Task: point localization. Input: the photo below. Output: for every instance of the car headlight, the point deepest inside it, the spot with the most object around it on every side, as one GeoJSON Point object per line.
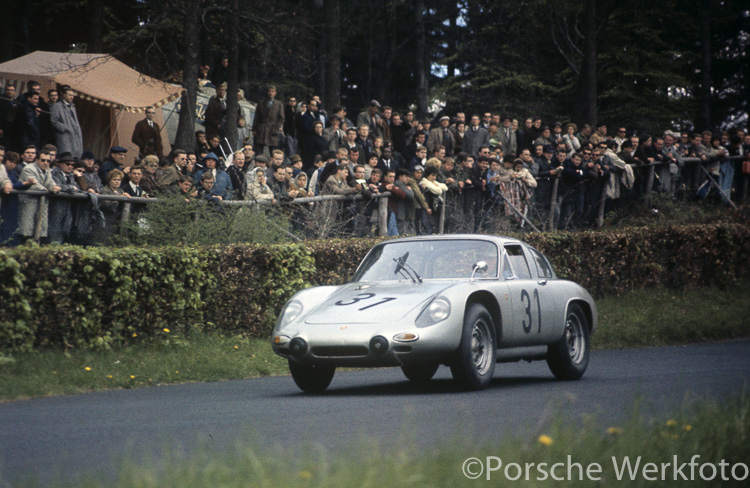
{"type": "Point", "coordinates": [438, 310]}
{"type": "Point", "coordinates": [291, 311]}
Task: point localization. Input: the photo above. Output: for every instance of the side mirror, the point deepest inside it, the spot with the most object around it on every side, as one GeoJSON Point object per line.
{"type": "Point", "coordinates": [480, 267]}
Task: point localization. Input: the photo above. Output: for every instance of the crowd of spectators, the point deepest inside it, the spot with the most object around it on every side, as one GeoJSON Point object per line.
{"type": "Point", "coordinates": [486, 168]}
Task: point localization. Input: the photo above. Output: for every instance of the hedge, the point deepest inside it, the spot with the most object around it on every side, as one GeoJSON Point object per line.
{"type": "Point", "coordinates": [73, 297]}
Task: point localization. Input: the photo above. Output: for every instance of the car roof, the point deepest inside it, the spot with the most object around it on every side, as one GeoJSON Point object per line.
{"type": "Point", "coordinates": [499, 240]}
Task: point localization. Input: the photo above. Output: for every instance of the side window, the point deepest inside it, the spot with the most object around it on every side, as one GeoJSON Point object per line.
{"type": "Point", "coordinates": [518, 263]}
{"type": "Point", "coordinates": [507, 272]}
{"type": "Point", "coordinates": [543, 267]}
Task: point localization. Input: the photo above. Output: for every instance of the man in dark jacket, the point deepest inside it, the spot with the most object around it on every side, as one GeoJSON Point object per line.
{"type": "Point", "coordinates": [268, 122]}
{"type": "Point", "coordinates": [28, 125]}
{"type": "Point", "coordinates": [147, 136]}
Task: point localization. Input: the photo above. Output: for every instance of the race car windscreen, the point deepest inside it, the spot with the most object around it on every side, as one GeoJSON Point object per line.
{"type": "Point", "coordinates": [439, 259]}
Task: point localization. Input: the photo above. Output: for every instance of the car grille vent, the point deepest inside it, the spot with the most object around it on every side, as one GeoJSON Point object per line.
{"type": "Point", "coordinates": [339, 351]}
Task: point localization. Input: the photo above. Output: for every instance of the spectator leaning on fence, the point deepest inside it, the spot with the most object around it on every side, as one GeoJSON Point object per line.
{"type": "Point", "coordinates": [32, 211]}
{"type": "Point", "coordinates": [10, 181]}
{"type": "Point", "coordinates": [175, 171]}
{"type": "Point", "coordinates": [258, 189]}
{"type": "Point", "coordinates": [222, 185]}
{"type": "Point", "coordinates": [62, 211]}
{"type": "Point", "coordinates": [115, 160]}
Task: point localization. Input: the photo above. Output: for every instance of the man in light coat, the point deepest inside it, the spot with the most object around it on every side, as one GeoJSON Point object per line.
{"type": "Point", "coordinates": [30, 207]}
{"type": "Point", "coordinates": [442, 136]}
{"type": "Point", "coordinates": [64, 121]}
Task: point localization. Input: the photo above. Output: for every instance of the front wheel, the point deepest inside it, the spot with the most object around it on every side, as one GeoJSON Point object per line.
{"type": "Point", "coordinates": [474, 363]}
{"type": "Point", "coordinates": [568, 358]}
{"type": "Point", "coordinates": [311, 378]}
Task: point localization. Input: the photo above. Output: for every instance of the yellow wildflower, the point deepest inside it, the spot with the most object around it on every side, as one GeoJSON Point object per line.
{"type": "Point", "coordinates": [614, 431]}
{"type": "Point", "coordinates": [671, 422]}
{"type": "Point", "coordinates": [305, 475]}
{"type": "Point", "coordinates": [688, 428]}
{"type": "Point", "coordinates": [132, 377]}
{"type": "Point", "coordinates": [546, 440]}
{"type": "Point", "coordinates": [87, 368]}
{"type": "Point", "coordinates": [135, 334]}
{"type": "Point", "coordinates": [166, 330]}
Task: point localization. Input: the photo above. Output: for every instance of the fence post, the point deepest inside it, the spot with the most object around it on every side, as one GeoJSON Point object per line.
{"type": "Point", "coordinates": [553, 205]}
{"type": "Point", "coordinates": [650, 179]}
{"type": "Point", "coordinates": [441, 224]}
{"type": "Point", "coordinates": [602, 202]}
{"type": "Point", "coordinates": [383, 215]}
{"type": "Point", "coordinates": [124, 218]}
{"type": "Point", "coordinates": [41, 215]}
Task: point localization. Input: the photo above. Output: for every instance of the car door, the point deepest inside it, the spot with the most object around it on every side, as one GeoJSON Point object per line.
{"type": "Point", "coordinates": [550, 298]}
{"type": "Point", "coordinates": [531, 317]}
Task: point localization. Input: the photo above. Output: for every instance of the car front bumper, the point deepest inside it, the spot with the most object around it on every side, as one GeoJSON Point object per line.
{"type": "Point", "coordinates": [367, 345]}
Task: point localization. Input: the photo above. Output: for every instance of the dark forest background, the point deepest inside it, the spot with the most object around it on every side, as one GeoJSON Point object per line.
{"type": "Point", "coordinates": [643, 64]}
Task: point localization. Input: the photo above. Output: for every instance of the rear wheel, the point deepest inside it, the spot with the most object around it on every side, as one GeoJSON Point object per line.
{"type": "Point", "coordinates": [420, 373]}
{"type": "Point", "coordinates": [311, 378]}
{"type": "Point", "coordinates": [474, 363]}
{"type": "Point", "coordinates": [568, 358]}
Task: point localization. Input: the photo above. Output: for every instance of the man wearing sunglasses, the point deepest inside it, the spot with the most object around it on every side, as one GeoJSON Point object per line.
{"type": "Point", "coordinates": [28, 205]}
{"type": "Point", "coordinates": [61, 210]}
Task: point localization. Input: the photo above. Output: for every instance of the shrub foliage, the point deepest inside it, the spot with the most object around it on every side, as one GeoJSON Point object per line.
{"type": "Point", "coordinates": [74, 297]}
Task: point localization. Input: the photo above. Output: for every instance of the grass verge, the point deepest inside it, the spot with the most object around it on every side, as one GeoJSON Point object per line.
{"type": "Point", "coordinates": [640, 318]}
{"type": "Point", "coordinates": [176, 360]}
{"type": "Point", "coordinates": [640, 452]}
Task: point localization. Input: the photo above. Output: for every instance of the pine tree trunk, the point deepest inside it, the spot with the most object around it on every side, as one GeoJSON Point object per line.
{"type": "Point", "coordinates": [422, 68]}
{"type": "Point", "coordinates": [96, 11]}
{"type": "Point", "coordinates": [586, 92]}
{"type": "Point", "coordinates": [333, 60]}
{"type": "Point", "coordinates": [704, 120]}
{"type": "Point", "coordinates": [233, 75]}
{"type": "Point", "coordinates": [185, 138]}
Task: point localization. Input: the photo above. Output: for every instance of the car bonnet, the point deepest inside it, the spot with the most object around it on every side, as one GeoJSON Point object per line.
{"type": "Point", "coordinates": [366, 303]}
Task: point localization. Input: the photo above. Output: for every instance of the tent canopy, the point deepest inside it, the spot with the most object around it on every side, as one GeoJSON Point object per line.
{"type": "Point", "coordinates": [99, 78]}
{"type": "Point", "coordinates": [110, 96]}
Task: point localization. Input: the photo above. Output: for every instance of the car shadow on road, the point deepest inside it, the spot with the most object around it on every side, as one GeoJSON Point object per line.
{"type": "Point", "coordinates": [437, 386]}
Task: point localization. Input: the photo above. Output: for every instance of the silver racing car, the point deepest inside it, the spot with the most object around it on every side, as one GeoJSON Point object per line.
{"type": "Point", "coordinates": [465, 301]}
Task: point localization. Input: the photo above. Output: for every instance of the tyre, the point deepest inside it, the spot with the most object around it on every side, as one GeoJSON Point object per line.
{"type": "Point", "coordinates": [568, 358]}
{"type": "Point", "coordinates": [420, 373]}
{"type": "Point", "coordinates": [311, 378]}
{"type": "Point", "coordinates": [474, 363]}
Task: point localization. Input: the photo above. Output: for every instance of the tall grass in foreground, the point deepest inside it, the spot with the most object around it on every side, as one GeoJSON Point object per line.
{"type": "Point", "coordinates": [640, 318]}
{"type": "Point", "coordinates": [607, 456]}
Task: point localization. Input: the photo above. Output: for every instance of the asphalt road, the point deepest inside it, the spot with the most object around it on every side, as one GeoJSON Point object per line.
{"type": "Point", "coordinates": [54, 439]}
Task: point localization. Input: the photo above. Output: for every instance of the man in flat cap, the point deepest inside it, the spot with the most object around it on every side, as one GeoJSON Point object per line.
{"type": "Point", "coordinates": [115, 160]}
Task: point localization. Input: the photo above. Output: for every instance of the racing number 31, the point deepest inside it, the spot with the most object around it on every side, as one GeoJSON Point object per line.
{"type": "Point", "coordinates": [364, 296]}
{"type": "Point", "coordinates": [525, 298]}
